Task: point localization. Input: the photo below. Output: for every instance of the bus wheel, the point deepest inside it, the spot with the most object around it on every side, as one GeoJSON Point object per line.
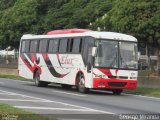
{"type": "Point", "coordinates": [81, 84]}
{"type": "Point", "coordinates": [37, 81]}
{"type": "Point", "coordinates": [117, 91]}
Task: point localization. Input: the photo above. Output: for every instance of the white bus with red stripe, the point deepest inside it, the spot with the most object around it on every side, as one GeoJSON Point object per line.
{"type": "Point", "coordinates": [82, 58]}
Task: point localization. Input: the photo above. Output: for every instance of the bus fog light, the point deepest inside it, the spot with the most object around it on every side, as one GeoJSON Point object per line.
{"type": "Point", "coordinates": [100, 76]}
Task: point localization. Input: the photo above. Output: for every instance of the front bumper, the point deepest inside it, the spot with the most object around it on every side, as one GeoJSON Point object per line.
{"type": "Point", "coordinates": [101, 83]}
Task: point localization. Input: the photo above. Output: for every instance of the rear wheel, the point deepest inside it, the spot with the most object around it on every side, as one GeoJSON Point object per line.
{"type": "Point", "coordinates": [117, 91]}
{"type": "Point", "coordinates": [81, 84]}
{"type": "Point", "coordinates": [37, 81]}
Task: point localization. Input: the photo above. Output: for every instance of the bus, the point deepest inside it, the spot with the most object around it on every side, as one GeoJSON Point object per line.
{"type": "Point", "coordinates": [82, 58]}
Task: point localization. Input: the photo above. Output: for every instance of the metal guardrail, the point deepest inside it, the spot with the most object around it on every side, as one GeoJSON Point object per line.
{"type": "Point", "coordinates": [8, 61]}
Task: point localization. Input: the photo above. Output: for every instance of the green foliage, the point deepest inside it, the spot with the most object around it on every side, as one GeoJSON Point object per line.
{"type": "Point", "coordinates": [136, 17]}
{"type": "Point", "coordinates": [15, 77]}
{"type": "Point", "coordinates": [16, 21]}
{"type": "Point", "coordinates": [154, 92]}
{"type": "Point", "coordinates": [4, 4]}
{"type": "Point", "coordinates": [10, 112]}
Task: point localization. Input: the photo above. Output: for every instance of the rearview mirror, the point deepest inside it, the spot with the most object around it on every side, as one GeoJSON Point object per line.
{"type": "Point", "coordinates": [94, 50]}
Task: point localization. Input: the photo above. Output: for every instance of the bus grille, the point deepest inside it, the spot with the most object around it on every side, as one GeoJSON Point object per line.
{"type": "Point", "coordinates": [117, 84]}
{"type": "Point", "coordinates": [120, 77]}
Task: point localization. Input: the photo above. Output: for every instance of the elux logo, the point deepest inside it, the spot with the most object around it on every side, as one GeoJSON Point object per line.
{"type": "Point", "coordinates": [66, 60]}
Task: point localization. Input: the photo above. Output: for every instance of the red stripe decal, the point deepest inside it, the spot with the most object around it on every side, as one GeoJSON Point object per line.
{"type": "Point", "coordinates": [105, 71]}
{"type": "Point", "coordinates": [45, 56]}
{"type": "Point", "coordinates": [51, 68]}
{"type": "Point", "coordinates": [31, 68]}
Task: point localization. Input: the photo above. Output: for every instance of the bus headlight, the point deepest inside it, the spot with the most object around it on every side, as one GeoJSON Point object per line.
{"type": "Point", "coordinates": [100, 76]}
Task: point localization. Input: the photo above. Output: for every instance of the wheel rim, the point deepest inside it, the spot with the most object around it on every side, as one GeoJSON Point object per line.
{"type": "Point", "coordinates": [81, 82]}
{"type": "Point", "coordinates": [36, 79]}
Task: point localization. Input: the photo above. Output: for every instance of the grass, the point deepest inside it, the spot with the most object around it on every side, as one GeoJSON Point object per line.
{"type": "Point", "coordinates": [10, 113]}
{"type": "Point", "coordinates": [154, 92]}
{"type": "Point", "coordinates": [15, 77]}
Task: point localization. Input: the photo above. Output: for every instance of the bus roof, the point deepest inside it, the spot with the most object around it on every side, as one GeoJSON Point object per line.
{"type": "Point", "coordinates": [68, 31]}
{"type": "Point", "coordinates": [95, 34]}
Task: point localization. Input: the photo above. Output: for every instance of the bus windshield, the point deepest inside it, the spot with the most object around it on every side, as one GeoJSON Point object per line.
{"type": "Point", "coordinates": [114, 54]}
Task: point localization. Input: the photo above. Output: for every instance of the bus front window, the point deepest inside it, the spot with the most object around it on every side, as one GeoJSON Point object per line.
{"type": "Point", "coordinates": [128, 55]}
{"type": "Point", "coordinates": [107, 54]}
{"type": "Point", "coordinates": [114, 54]}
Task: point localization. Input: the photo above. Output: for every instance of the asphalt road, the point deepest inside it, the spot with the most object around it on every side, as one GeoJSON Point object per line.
{"type": "Point", "coordinates": [70, 104]}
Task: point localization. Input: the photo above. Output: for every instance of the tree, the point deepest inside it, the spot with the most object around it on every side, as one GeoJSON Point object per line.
{"type": "Point", "coordinates": [138, 18]}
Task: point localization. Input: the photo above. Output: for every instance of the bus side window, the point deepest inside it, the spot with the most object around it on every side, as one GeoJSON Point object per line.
{"type": "Point", "coordinates": [33, 45]}
{"type": "Point", "coordinates": [53, 46]}
{"type": "Point", "coordinates": [25, 46]}
{"type": "Point", "coordinates": [77, 45]}
{"type": "Point", "coordinates": [43, 45]}
{"type": "Point", "coordinates": [70, 45]}
{"type": "Point", "coordinates": [63, 45]}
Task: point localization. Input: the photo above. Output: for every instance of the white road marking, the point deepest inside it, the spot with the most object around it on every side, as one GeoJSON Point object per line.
{"type": "Point", "coordinates": [68, 93]}
{"type": "Point", "coordinates": [101, 111]}
{"type": "Point", "coordinates": [50, 108]}
{"type": "Point", "coordinates": [23, 95]}
{"type": "Point", "coordinates": [22, 100]}
{"type": "Point", "coordinates": [6, 94]}
{"type": "Point", "coordinates": [142, 96]}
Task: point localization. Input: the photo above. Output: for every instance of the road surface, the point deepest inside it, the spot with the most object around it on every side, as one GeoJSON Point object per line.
{"type": "Point", "coordinates": [67, 104]}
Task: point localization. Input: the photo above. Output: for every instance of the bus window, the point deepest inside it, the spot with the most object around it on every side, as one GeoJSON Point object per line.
{"type": "Point", "coordinates": [63, 45]}
{"type": "Point", "coordinates": [53, 46]}
{"type": "Point", "coordinates": [77, 45]}
{"type": "Point", "coordinates": [25, 46]}
{"type": "Point", "coordinates": [70, 45]}
{"type": "Point", "coordinates": [33, 45]}
{"type": "Point", "coordinates": [43, 45]}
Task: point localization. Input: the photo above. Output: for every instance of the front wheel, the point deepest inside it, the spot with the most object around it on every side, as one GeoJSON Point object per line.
{"type": "Point", "coordinates": [117, 91]}
{"type": "Point", "coordinates": [37, 81]}
{"type": "Point", "coordinates": [81, 84]}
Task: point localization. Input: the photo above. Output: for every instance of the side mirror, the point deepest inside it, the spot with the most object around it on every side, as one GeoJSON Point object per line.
{"type": "Point", "coordinates": [94, 50]}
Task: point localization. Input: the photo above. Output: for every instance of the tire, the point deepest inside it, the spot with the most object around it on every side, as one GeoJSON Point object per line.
{"type": "Point", "coordinates": [37, 81]}
{"type": "Point", "coordinates": [81, 84]}
{"type": "Point", "coordinates": [117, 91]}
{"type": "Point", "coordinates": [66, 86]}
